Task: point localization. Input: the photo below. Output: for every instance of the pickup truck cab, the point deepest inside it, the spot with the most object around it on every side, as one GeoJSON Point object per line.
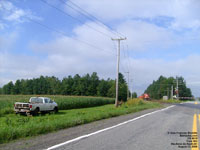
{"type": "Point", "coordinates": [36, 105]}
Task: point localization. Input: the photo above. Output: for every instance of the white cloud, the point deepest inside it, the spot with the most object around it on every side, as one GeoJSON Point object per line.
{"type": "Point", "coordinates": [126, 8]}
{"type": "Point", "coordinates": [14, 14]}
{"type": "Point", "coordinates": [13, 67]}
{"type": "Point", "coordinates": [142, 35]}
{"type": "Point", "coordinates": [185, 12]}
{"type": "Point", "coordinates": [10, 12]}
{"type": "Point", "coordinates": [69, 56]}
{"type": "Point", "coordinates": [5, 5]}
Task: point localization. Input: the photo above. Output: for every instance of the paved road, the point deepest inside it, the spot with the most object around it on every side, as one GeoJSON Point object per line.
{"type": "Point", "coordinates": [170, 129]}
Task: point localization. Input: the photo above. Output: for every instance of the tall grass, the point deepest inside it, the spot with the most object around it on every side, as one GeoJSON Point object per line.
{"type": "Point", "coordinates": [135, 101]}
{"type": "Point", "coordinates": [7, 103]}
{"type": "Point", "coordinates": [81, 102]}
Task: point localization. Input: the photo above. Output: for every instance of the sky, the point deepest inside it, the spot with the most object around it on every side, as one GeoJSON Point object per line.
{"type": "Point", "coordinates": [54, 38]}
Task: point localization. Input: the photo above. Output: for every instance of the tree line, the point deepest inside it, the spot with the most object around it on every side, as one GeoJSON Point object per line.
{"type": "Point", "coordinates": [86, 85]}
{"type": "Point", "coordinates": [163, 85]}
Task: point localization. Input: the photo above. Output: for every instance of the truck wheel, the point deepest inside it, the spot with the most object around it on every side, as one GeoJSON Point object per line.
{"type": "Point", "coordinates": [55, 110]}
{"type": "Point", "coordinates": [36, 111]}
{"type": "Point", "coordinates": [43, 112]}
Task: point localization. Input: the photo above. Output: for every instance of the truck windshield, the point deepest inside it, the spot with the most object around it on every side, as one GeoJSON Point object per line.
{"type": "Point", "coordinates": [33, 100]}
{"type": "Point", "coordinates": [36, 100]}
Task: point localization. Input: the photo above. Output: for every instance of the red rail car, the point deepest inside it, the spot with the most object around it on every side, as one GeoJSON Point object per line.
{"type": "Point", "coordinates": [145, 96]}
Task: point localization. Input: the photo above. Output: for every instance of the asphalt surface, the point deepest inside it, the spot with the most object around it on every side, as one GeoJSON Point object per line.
{"type": "Point", "coordinates": [169, 129]}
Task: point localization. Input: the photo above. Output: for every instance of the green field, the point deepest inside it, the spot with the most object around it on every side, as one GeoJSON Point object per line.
{"type": "Point", "coordinates": [16, 126]}
{"type": "Point", "coordinates": [64, 102]}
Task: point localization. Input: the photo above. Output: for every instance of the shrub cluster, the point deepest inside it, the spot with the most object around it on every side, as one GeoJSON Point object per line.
{"type": "Point", "coordinates": [135, 101]}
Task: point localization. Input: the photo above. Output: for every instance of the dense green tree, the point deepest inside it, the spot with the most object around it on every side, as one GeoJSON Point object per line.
{"type": "Point", "coordinates": [84, 84]}
{"type": "Point", "coordinates": [67, 86]}
{"type": "Point", "coordinates": [103, 87]}
{"type": "Point", "coordinates": [122, 88]}
{"type": "Point", "coordinates": [183, 90]}
{"type": "Point", "coordinates": [76, 85]}
{"type": "Point", "coordinates": [112, 88]}
{"type": "Point", "coordinates": [121, 79]}
{"type": "Point", "coordinates": [122, 92]}
{"type": "Point", "coordinates": [18, 87]}
{"type": "Point", "coordinates": [87, 85]}
{"type": "Point", "coordinates": [162, 87]}
{"type": "Point", "coordinates": [8, 88]}
{"type": "Point", "coordinates": [29, 87]}
{"type": "Point", "coordinates": [134, 95]}
{"type": "Point", "coordinates": [94, 82]}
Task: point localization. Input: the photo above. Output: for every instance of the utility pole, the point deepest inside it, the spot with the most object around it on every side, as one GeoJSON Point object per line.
{"type": "Point", "coordinates": [117, 76]}
{"type": "Point", "coordinates": [128, 87]}
{"type": "Point", "coordinates": [172, 91]}
{"type": "Point", "coordinates": [131, 95]}
{"type": "Point", "coordinates": [177, 92]}
{"type": "Point", "coordinates": [131, 89]}
{"type": "Point", "coordinates": [167, 93]}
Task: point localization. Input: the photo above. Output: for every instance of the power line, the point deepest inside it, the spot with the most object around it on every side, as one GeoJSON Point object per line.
{"type": "Point", "coordinates": [125, 57]}
{"type": "Point", "coordinates": [127, 63]}
{"type": "Point", "coordinates": [128, 87]}
{"type": "Point", "coordinates": [62, 33]}
{"type": "Point", "coordinates": [74, 18]}
{"type": "Point", "coordinates": [92, 17]}
{"type": "Point", "coordinates": [121, 64]}
{"type": "Point", "coordinates": [128, 55]}
{"type": "Point", "coordinates": [123, 70]}
{"type": "Point", "coordinates": [81, 11]}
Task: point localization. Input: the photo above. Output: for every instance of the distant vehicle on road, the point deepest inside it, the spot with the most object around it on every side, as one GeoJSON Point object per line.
{"type": "Point", "coordinates": [36, 105]}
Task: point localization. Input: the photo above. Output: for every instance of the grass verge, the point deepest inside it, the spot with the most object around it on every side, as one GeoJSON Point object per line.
{"type": "Point", "coordinates": [15, 126]}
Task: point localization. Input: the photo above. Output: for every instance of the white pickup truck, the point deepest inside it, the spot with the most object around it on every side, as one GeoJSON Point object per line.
{"type": "Point", "coordinates": [36, 105]}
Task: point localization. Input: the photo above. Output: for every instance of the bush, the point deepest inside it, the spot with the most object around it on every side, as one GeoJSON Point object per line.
{"type": "Point", "coordinates": [135, 101]}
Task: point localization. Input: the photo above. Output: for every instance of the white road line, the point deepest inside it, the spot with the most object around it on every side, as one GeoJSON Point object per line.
{"type": "Point", "coordinates": [187, 102]}
{"type": "Point", "coordinates": [109, 128]}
